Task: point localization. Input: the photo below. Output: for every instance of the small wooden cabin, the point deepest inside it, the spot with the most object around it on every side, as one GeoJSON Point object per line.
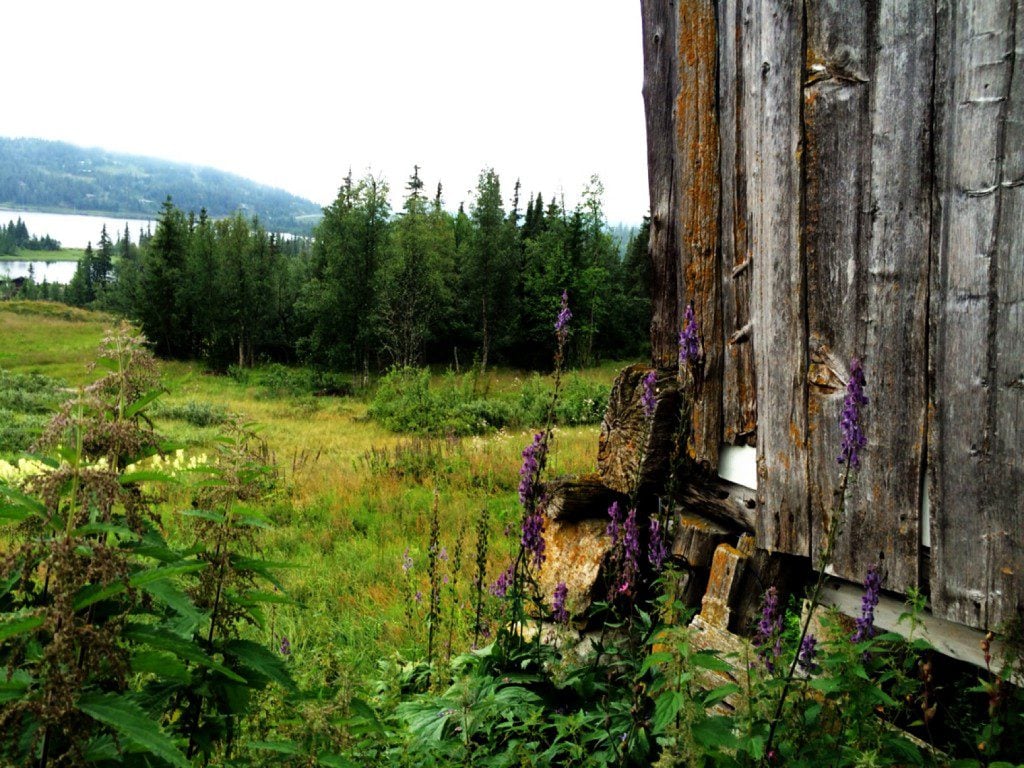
{"type": "Point", "coordinates": [839, 179]}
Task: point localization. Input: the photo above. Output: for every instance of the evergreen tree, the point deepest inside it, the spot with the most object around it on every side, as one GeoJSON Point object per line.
{"type": "Point", "coordinates": [103, 263]}
{"type": "Point", "coordinates": [81, 291]}
{"type": "Point", "coordinates": [157, 308]}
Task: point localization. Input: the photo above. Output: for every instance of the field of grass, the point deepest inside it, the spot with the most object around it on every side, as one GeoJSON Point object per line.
{"type": "Point", "coordinates": [354, 499]}
{"type": "Point", "coordinates": [64, 254]}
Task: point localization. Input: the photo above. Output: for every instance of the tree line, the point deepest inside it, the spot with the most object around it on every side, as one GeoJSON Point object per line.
{"type": "Point", "coordinates": [376, 287]}
{"type": "Point", "coordinates": [15, 236]}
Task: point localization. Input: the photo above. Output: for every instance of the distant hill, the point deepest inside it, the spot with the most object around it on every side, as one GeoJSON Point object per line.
{"type": "Point", "coordinates": [52, 175]}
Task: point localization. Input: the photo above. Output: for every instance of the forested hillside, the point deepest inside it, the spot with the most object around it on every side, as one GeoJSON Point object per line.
{"type": "Point", "coordinates": [57, 176]}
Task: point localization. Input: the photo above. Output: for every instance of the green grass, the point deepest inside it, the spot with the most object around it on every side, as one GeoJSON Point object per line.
{"type": "Point", "coordinates": [64, 254]}
{"type": "Point", "coordinates": [349, 508]}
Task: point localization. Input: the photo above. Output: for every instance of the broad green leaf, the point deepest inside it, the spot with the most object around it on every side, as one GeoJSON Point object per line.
{"type": "Point", "coordinates": [15, 688]}
{"type": "Point", "coordinates": [708, 660]}
{"type": "Point", "coordinates": [165, 641]}
{"type": "Point", "coordinates": [666, 707]}
{"type": "Point", "coordinates": [826, 684]}
{"type": "Point", "coordinates": [161, 663]}
{"type": "Point", "coordinates": [94, 593]}
{"type": "Point", "coordinates": [656, 659]}
{"type": "Point", "coordinates": [173, 597]}
{"type": "Point", "coordinates": [20, 624]}
{"type": "Point", "coordinates": [149, 575]}
{"type": "Point", "coordinates": [260, 660]}
{"type": "Point", "coordinates": [714, 732]}
{"type": "Point", "coordinates": [145, 476]}
{"type": "Point", "coordinates": [203, 514]}
{"type": "Point", "coordinates": [130, 721]}
{"type": "Point", "coordinates": [720, 693]}
{"type": "Point", "coordinates": [142, 402]}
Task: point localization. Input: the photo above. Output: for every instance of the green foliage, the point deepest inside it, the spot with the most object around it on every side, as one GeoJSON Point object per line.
{"type": "Point", "coordinates": [26, 400]}
{"type": "Point", "coordinates": [406, 402]}
{"type": "Point", "coordinates": [198, 414]}
{"type": "Point", "coordinates": [120, 648]}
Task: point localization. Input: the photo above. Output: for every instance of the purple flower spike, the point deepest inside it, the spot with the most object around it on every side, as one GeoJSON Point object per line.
{"type": "Point", "coordinates": [767, 639]}
{"type": "Point", "coordinates": [533, 536]}
{"type": "Point", "coordinates": [286, 646]}
{"type": "Point", "coordinates": [559, 612]}
{"type": "Point", "coordinates": [630, 551]}
{"type": "Point", "coordinates": [849, 421]}
{"type": "Point", "coordinates": [656, 550]}
{"type": "Point", "coordinates": [500, 587]}
{"type": "Point", "coordinates": [866, 623]}
{"type": "Point", "coordinates": [808, 650]}
{"type": "Point", "coordinates": [532, 456]}
{"type": "Point", "coordinates": [614, 523]}
{"type": "Point", "coordinates": [648, 398]}
{"type": "Point", "coordinates": [406, 561]}
{"type": "Point", "coordinates": [564, 316]}
{"type": "Point", "coordinates": [689, 339]}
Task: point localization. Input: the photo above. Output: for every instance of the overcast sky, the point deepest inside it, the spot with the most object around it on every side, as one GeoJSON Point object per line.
{"type": "Point", "coordinates": [294, 93]}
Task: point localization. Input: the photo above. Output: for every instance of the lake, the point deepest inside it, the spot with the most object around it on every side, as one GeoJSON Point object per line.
{"type": "Point", "coordinates": [75, 230]}
{"type": "Point", "coordinates": [51, 271]}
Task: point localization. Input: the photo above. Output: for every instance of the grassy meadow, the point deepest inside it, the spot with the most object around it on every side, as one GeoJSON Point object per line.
{"type": "Point", "coordinates": [354, 497]}
{"type": "Point", "coordinates": [64, 254]}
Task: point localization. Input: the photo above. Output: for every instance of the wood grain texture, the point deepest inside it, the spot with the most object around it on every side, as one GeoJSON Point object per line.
{"type": "Point", "coordinates": [661, 85]}
{"type": "Point", "coordinates": [739, 388]}
{"type": "Point", "coordinates": [975, 475]}
{"type": "Point", "coordinates": [773, 64]}
{"type": "Point", "coordinates": [867, 106]}
{"type": "Point", "coordinates": [836, 224]}
{"type": "Point", "coordinates": [699, 274]}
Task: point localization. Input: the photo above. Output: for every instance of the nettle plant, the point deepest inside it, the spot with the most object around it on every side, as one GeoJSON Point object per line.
{"type": "Point", "coordinates": [120, 648]}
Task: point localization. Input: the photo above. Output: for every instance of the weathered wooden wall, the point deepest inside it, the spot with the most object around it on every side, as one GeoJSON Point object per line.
{"type": "Point", "coordinates": [840, 178]}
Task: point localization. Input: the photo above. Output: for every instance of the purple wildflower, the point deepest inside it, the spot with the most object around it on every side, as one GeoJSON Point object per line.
{"type": "Point", "coordinates": [533, 537]}
{"type": "Point", "coordinates": [564, 316]}
{"type": "Point", "coordinates": [689, 339]}
{"type": "Point", "coordinates": [500, 587]}
{"type": "Point", "coordinates": [443, 554]}
{"type": "Point", "coordinates": [630, 551]}
{"type": "Point", "coordinates": [767, 639]}
{"type": "Point", "coordinates": [849, 420]}
{"type": "Point", "coordinates": [808, 650]}
{"type": "Point", "coordinates": [614, 523]}
{"type": "Point", "coordinates": [866, 623]}
{"type": "Point", "coordinates": [406, 561]}
{"type": "Point", "coordinates": [656, 550]}
{"type": "Point", "coordinates": [533, 454]}
{"type": "Point", "coordinates": [559, 611]}
{"type": "Point", "coordinates": [286, 646]}
{"type": "Point", "coordinates": [418, 597]}
{"type": "Point", "coordinates": [648, 398]}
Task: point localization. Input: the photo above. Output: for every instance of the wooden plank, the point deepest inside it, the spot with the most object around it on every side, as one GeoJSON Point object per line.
{"type": "Point", "coordinates": [837, 162]}
{"type": "Point", "coordinates": [973, 79]}
{"type": "Point", "coordinates": [698, 199]}
{"type": "Point", "coordinates": [773, 63]}
{"type": "Point", "coordinates": [873, 300]}
{"type": "Point", "coordinates": [1007, 480]}
{"type": "Point", "coordinates": [661, 75]}
{"type": "Point", "coordinates": [951, 639]}
{"type": "Point", "coordinates": [739, 395]}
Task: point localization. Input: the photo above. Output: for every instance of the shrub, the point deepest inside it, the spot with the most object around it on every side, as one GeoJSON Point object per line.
{"type": "Point", "coordinates": [198, 414]}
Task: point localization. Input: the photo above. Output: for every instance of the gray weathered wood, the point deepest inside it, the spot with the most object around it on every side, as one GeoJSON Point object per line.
{"type": "Point", "coordinates": [699, 276]}
{"type": "Point", "coordinates": [661, 84]}
{"type": "Point", "coordinates": [634, 450]}
{"type": "Point", "coordinates": [696, 538]}
{"type": "Point", "coordinates": [729, 503]}
{"type": "Point", "coordinates": [837, 228]}
{"type": "Point", "coordinates": [773, 67]}
{"type": "Point", "coordinates": [578, 498]}
{"type": "Point", "coordinates": [976, 496]}
{"type": "Point", "coordinates": [1007, 486]}
{"type": "Point", "coordinates": [739, 398]}
{"type": "Point", "coordinates": [867, 219]}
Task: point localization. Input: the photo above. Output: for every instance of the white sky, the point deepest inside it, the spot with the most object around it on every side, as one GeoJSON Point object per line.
{"type": "Point", "coordinates": [293, 93]}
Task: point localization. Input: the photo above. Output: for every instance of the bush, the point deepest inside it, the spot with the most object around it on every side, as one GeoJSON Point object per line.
{"type": "Point", "coordinates": [198, 414]}
{"type": "Point", "coordinates": [406, 403]}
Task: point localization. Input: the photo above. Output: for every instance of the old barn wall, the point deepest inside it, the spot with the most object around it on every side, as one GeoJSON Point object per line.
{"type": "Point", "coordinates": [840, 179]}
